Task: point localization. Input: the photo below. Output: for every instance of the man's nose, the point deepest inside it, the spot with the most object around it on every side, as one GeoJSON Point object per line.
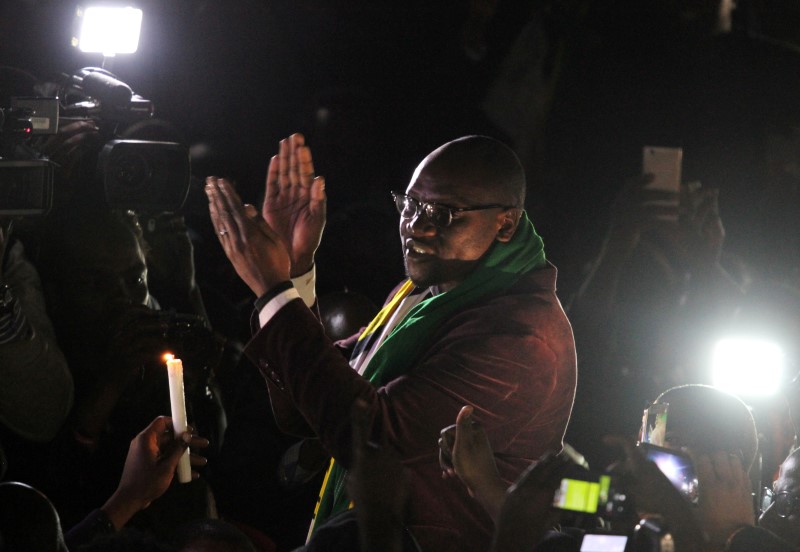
{"type": "Point", "coordinates": [420, 225]}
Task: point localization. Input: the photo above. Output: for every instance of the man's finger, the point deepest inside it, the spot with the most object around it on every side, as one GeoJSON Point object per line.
{"type": "Point", "coordinates": [294, 161]}
{"type": "Point", "coordinates": [216, 208]}
{"type": "Point", "coordinates": [172, 451]}
{"type": "Point", "coordinates": [272, 188]}
{"type": "Point", "coordinates": [261, 225]}
{"type": "Point", "coordinates": [283, 164]}
{"type": "Point", "coordinates": [162, 425]}
{"type": "Point", "coordinates": [317, 205]}
{"type": "Point", "coordinates": [197, 460]}
{"type": "Point", "coordinates": [464, 417]}
{"type": "Point", "coordinates": [233, 215]}
{"type": "Point", "coordinates": [305, 166]}
{"type": "Point", "coordinates": [704, 468]}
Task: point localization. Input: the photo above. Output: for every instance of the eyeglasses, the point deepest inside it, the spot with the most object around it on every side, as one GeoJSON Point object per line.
{"type": "Point", "coordinates": [439, 214]}
{"type": "Point", "coordinates": [784, 502]}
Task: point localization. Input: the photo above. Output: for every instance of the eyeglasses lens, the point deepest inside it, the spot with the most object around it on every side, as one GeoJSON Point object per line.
{"type": "Point", "coordinates": [408, 207]}
{"type": "Point", "coordinates": [405, 206]}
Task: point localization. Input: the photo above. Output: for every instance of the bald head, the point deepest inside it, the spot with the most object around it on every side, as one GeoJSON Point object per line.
{"type": "Point", "coordinates": [480, 162]}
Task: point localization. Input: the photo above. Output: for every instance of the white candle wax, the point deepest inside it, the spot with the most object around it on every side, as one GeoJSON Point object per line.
{"type": "Point", "coordinates": [177, 400]}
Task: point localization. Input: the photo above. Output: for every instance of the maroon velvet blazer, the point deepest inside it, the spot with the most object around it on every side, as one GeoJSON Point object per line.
{"type": "Point", "coordinates": [510, 355]}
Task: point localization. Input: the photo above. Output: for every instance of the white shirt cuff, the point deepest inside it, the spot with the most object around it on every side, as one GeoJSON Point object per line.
{"type": "Point", "coordinates": [275, 304]}
{"type": "Point", "coordinates": [304, 288]}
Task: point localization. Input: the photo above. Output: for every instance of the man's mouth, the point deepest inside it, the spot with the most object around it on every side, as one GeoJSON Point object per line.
{"type": "Point", "coordinates": [416, 249]}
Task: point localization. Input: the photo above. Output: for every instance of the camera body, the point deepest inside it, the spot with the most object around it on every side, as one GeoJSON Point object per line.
{"type": "Point", "coordinates": [589, 492]}
{"type": "Point", "coordinates": [601, 494]}
{"type": "Point", "coordinates": [26, 180]}
{"type": "Point", "coordinates": [188, 335]}
{"type": "Point", "coordinates": [141, 175]}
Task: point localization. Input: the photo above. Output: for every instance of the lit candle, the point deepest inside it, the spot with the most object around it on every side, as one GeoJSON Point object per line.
{"type": "Point", "coordinates": [178, 402]}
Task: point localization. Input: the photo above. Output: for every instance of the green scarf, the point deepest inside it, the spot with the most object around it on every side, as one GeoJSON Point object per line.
{"type": "Point", "coordinates": [500, 268]}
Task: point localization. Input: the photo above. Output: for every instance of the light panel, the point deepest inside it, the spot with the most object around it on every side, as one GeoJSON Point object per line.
{"type": "Point", "coordinates": [109, 30]}
{"type": "Point", "coordinates": [747, 367]}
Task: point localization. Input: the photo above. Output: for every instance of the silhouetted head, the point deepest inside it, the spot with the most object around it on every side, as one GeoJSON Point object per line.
{"type": "Point", "coordinates": [709, 420]}
{"type": "Point", "coordinates": [92, 263]}
{"type": "Point", "coordinates": [28, 521]}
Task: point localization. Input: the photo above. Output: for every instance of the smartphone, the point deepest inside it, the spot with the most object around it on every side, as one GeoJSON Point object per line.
{"type": "Point", "coordinates": [597, 542]}
{"type": "Point", "coordinates": [677, 466]}
{"type": "Point", "coordinates": [589, 492]}
{"type": "Point", "coordinates": [665, 166]}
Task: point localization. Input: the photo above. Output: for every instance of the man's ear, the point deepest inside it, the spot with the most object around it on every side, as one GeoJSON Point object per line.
{"type": "Point", "coordinates": [508, 225]}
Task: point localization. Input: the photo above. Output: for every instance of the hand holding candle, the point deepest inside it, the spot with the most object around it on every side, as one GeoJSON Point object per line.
{"type": "Point", "coordinates": [177, 400]}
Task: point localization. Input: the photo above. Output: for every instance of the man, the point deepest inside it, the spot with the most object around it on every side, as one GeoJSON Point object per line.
{"type": "Point", "coordinates": [95, 279]}
{"type": "Point", "coordinates": [477, 323]}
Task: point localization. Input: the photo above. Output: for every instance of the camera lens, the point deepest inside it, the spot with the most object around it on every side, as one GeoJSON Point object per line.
{"type": "Point", "coordinates": [131, 170]}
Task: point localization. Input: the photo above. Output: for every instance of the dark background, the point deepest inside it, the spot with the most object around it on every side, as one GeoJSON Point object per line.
{"type": "Point", "coordinates": [373, 85]}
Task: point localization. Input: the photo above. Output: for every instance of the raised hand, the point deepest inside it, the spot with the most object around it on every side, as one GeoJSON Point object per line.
{"type": "Point", "coordinates": [638, 210]}
{"type": "Point", "coordinates": [464, 450]}
{"type": "Point", "coordinates": [703, 234]}
{"type": "Point", "coordinates": [294, 202]}
{"type": "Point", "coordinates": [726, 502]}
{"type": "Point", "coordinates": [149, 468]}
{"type": "Point", "coordinates": [378, 485]}
{"type": "Point", "coordinates": [653, 493]}
{"type": "Point", "coordinates": [257, 252]}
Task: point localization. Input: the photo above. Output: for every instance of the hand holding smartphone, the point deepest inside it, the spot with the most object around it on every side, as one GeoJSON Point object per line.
{"type": "Point", "coordinates": [677, 466]}
{"type": "Point", "coordinates": [664, 164]}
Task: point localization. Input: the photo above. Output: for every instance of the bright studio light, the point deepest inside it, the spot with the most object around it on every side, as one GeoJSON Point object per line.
{"type": "Point", "coordinates": [109, 30]}
{"type": "Point", "coordinates": [747, 366]}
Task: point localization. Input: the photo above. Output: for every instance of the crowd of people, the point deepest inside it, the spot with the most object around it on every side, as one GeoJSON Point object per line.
{"type": "Point", "coordinates": [456, 415]}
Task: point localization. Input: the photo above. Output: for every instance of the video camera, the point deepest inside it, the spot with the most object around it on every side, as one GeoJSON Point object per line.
{"type": "Point", "coordinates": [602, 494]}
{"type": "Point", "coordinates": [141, 175]}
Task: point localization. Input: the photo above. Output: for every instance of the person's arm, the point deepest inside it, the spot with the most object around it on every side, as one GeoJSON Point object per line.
{"type": "Point", "coordinates": [37, 391]}
{"type": "Point", "coordinates": [464, 451]}
{"type": "Point", "coordinates": [379, 487]}
{"type": "Point", "coordinates": [149, 469]}
{"type": "Point", "coordinates": [294, 211]}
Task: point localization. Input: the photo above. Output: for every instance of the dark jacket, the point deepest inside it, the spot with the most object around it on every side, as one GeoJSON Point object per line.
{"type": "Point", "coordinates": [510, 355]}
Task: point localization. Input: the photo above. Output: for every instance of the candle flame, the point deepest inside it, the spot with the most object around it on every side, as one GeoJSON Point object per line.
{"type": "Point", "coordinates": [168, 357]}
